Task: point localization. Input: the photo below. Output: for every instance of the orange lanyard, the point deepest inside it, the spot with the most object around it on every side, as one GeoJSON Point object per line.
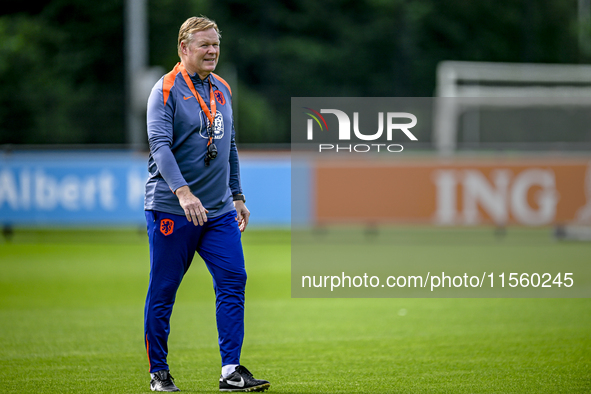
{"type": "Point", "coordinates": [210, 115]}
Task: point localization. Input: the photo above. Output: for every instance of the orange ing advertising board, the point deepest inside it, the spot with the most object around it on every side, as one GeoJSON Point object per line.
{"type": "Point", "coordinates": [531, 192]}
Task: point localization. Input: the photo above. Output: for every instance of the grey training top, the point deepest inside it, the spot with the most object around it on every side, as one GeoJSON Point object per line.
{"type": "Point", "coordinates": [177, 135]}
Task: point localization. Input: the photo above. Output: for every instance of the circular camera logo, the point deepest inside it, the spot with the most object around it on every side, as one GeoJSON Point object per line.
{"type": "Point", "coordinates": [218, 126]}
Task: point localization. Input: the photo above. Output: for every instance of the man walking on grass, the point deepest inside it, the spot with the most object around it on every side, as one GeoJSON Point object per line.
{"type": "Point", "coordinates": [194, 203]}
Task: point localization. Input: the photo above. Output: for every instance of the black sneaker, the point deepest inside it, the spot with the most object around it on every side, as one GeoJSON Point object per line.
{"type": "Point", "coordinates": [163, 381]}
{"type": "Point", "coordinates": [241, 380]}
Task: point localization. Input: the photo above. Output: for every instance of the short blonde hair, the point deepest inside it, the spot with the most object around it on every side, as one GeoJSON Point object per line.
{"type": "Point", "coordinates": [195, 24]}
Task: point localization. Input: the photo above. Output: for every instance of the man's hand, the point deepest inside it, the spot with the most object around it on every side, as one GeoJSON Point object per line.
{"type": "Point", "coordinates": [192, 206]}
{"type": "Point", "coordinates": [243, 214]}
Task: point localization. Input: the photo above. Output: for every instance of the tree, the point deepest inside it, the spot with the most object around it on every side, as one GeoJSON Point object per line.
{"type": "Point", "coordinates": [61, 66]}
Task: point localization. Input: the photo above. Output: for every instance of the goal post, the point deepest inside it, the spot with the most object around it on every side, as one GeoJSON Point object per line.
{"type": "Point", "coordinates": [464, 86]}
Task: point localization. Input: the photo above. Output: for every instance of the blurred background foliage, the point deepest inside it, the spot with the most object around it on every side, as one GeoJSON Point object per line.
{"type": "Point", "coordinates": [62, 61]}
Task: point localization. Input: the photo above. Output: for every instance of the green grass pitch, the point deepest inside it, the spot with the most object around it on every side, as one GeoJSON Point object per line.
{"type": "Point", "coordinates": [71, 321]}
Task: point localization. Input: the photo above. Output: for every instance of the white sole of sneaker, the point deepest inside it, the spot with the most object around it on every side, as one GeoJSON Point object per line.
{"type": "Point", "coordinates": [258, 389]}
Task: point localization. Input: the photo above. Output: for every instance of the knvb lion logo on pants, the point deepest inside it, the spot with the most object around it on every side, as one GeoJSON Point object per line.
{"type": "Point", "coordinates": [166, 226]}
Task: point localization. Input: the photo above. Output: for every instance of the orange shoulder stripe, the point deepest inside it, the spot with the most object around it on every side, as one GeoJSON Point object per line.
{"type": "Point", "coordinates": [168, 82]}
{"type": "Point", "coordinates": [222, 80]}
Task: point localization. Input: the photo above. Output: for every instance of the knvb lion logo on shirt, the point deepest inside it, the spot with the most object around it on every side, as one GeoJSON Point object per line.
{"type": "Point", "coordinates": [218, 126]}
{"type": "Point", "coordinates": [393, 124]}
{"type": "Point", "coordinates": [219, 97]}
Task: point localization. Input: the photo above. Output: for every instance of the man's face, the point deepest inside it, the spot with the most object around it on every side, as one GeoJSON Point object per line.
{"type": "Point", "coordinates": [202, 53]}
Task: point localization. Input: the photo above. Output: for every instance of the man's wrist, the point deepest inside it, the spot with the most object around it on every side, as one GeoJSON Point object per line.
{"type": "Point", "coordinates": [239, 197]}
{"type": "Point", "coordinates": [182, 190]}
